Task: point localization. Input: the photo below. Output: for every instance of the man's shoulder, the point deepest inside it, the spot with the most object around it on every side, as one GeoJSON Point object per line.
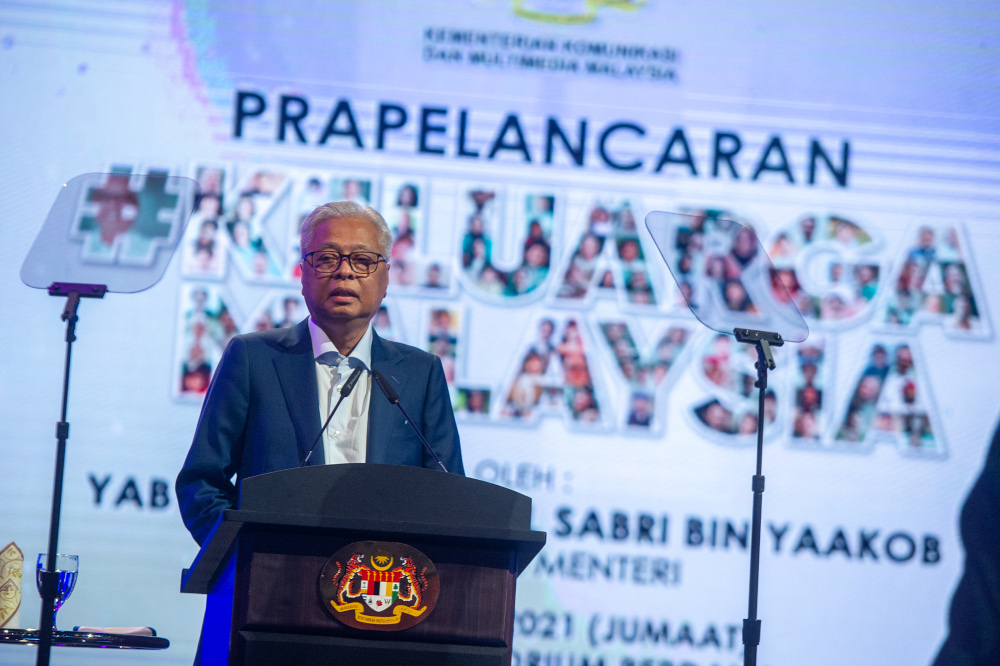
{"type": "Point", "coordinates": [397, 352]}
{"type": "Point", "coordinates": [408, 352]}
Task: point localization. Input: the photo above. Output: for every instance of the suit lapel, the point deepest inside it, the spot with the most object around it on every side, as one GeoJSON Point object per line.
{"type": "Point", "coordinates": [383, 416]}
{"type": "Point", "coordinates": [297, 374]}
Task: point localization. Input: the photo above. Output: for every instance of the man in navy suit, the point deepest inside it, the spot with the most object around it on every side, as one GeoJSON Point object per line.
{"type": "Point", "coordinates": [273, 389]}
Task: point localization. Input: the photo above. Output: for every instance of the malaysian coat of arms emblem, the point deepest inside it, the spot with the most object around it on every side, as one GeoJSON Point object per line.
{"type": "Point", "coordinates": [379, 585]}
{"type": "Point", "coordinates": [11, 566]}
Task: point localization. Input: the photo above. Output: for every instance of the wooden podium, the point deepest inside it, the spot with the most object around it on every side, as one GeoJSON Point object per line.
{"type": "Point", "coordinates": [261, 564]}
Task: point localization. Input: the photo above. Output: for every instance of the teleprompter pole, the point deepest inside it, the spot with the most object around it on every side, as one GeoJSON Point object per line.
{"type": "Point", "coordinates": [763, 341]}
{"type": "Point", "coordinates": [49, 578]}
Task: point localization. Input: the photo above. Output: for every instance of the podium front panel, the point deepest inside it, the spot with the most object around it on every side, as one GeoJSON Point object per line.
{"type": "Point", "coordinates": [278, 572]}
{"type": "Point", "coordinates": [291, 523]}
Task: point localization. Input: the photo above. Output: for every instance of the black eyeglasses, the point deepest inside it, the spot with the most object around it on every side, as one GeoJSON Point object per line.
{"type": "Point", "coordinates": [326, 262]}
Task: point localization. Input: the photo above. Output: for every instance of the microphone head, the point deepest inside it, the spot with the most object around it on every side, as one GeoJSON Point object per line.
{"type": "Point", "coordinates": [351, 381]}
{"type": "Point", "coordinates": [385, 387]}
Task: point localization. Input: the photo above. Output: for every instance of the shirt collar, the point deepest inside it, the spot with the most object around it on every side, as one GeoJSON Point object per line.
{"type": "Point", "coordinates": [321, 344]}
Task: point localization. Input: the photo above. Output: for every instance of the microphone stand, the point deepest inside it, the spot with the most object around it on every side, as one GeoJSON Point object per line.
{"type": "Point", "coordinates": [393, 397]}
{"type": "Point", "coordinates": [49, 578]}
{"type": "Point", "coordinates": [763, 340]}
{"type": "Point", "coordinates": [345, 391]}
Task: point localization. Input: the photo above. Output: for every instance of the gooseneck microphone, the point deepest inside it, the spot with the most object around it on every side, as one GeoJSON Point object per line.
{"type": "Point", "coordinates": [391, 395]}
{"type": "Point", "coordinates": [345, 391]}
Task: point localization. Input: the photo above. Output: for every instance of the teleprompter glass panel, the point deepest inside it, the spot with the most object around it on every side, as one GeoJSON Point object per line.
{"type": "Point", "coordinates": [724, 274]}
{"type": "Point", "coordinates": [116, 229]}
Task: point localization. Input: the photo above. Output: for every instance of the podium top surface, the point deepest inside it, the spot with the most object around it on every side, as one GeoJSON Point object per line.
{"type": "Point", "coordinates": [386, 492]}
{"type": "Point", "coordinates": [375, 501]}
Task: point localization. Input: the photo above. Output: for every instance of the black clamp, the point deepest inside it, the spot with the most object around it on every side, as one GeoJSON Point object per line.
{"type": "Point", "coordinates": [751, 632]}
{"type": "Point", "coordinates": [764, 341]}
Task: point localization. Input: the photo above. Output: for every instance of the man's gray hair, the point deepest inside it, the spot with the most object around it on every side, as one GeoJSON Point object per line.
{"type": "Point", "coordinates": [336, 210]}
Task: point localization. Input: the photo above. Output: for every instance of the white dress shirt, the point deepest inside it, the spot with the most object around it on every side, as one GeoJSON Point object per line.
{"type": "Point", "coordinates": [346, 438]}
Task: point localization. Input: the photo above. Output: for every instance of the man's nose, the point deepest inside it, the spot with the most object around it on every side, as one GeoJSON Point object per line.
{"type": "Point", "coordinates": [344, 270]}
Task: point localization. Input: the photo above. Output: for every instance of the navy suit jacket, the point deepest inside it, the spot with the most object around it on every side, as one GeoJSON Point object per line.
{"type": "Point", "coordinates": [261, 414]}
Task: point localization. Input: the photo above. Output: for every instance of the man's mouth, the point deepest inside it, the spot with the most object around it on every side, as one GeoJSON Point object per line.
{"type": "Point", "coordinates": [342, 293]}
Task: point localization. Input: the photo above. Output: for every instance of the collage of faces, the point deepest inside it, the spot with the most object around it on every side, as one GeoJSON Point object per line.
{"type": "Point", "coordinates": [442, 339]}
{"type": "Point", "coordinates": [553, 373]}
{"type": "Point", "coordinates": [609, 250]}
{"type": "Point", "coordinates": [472, 403]}
{"type": "Point", "coordinates": [229, 222]}
{"type": "Point", "coordinates": [445, 339]}
{"type": "Point", "coordinates": [729, 365]}
{"type": "Point", "coordinates": [282, 311]}
{"type": "Point", "coordinates": [807, 410]}
{"type": "Point", "coordinates": [644, 375]}
{"type": "Point", "coordinates": [931, 283]}
{"type": "Point", "coordinates": [932, 280]}
{"type": "Point", "coordinates": [401, 207]}
{"type": "Point", "coordinates": [481, 238]}
{"type": "Point", "coordinates": [210, 321]}
{"type": "Point", "coordinates": [711, 255]}
{"type": "Point", "coordinates": [935, 284]}
{"type": "Point", "coordinates": [847, 287]}
{"type": "Point", "coordinates": [207, 326]}
{"type": "Point", "coordinates": [240, 218]}
{"type": "Point", "coordinates": [889, 401]}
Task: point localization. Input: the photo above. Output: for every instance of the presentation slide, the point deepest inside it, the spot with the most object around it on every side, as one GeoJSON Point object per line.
{"type": "Point", "coordinates": [517, 149]}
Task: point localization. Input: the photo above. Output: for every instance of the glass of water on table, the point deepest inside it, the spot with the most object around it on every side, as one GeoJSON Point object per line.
{"type": "Point", "coordinates": [67, 567]}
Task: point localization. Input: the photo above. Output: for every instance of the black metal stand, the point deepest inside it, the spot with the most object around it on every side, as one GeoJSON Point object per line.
{"type": "Point", "coordinates": [49, 578]}
{"type": "Point", "coordinates": [763, 340]}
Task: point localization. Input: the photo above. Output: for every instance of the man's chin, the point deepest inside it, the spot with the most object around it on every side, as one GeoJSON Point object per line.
{"type": "Point", "coordinates": [344, 314]}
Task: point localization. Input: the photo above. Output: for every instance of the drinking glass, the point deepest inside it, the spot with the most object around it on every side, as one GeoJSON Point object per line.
{"type": "Point", "coordinates": [67, 567]}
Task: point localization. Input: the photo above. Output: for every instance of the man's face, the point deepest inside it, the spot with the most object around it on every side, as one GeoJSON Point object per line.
{"type": "Point", "coordinates": [344, 296]}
